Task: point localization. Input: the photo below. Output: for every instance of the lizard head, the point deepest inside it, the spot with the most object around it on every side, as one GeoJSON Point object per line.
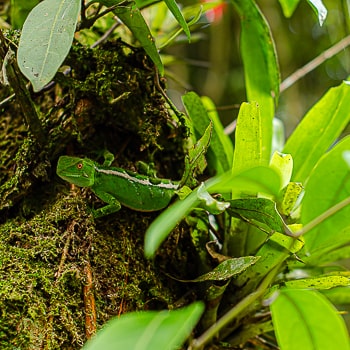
{"type": "Point", "coordinates": [78, 171]}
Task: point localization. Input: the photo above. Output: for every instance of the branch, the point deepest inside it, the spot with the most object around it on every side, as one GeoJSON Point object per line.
{"type": "Point", "coordinates": [298, 74]}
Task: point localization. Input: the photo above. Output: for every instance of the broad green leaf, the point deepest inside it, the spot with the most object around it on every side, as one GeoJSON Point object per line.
{"type": "Point", "coordinates": [260, 65]}
{"type": "Point", "coordinates": [20, 10]}
{"type": "Point", "coordinates": [161, 227]}
{"type": "Point", "coordinates": [336, 247]}
{"type": "Point", "coordinates": [332, 256]}
{"type": "Point", "coordinates": [276, 250]}
{"type": "Point", "coordinates": [252, 181]}
{"type": "Point", "coordinates": [131, 16]}
{"type": "Point", "coordinates": [305, 319]}
{"type": "Point", "coordinates": [320, 10]}
{"type": "Point", "coordinates": [197, 111]}
{"type": "Point", "coordinates": [282, 164]}
{"type": "Point", "coordinates": [147, 330]}
{"type": "Point", "coordinates": [252, 148]}
{"type": "Point", "coordinates": [328, 184]}
{"type": "Point", "coordinates": [255, 180]}
{"type": "Point", "coordinates": [46, 39]}
{"type": "Point", "coordinates": [257, 210]}
{"type": "Point", "coordinates": [321, 282]}
{"type": "Point", "coordinates": [133, 19]}
{"type": "Point", "coordinates": [339, 295]}
{"type": "Point", "coordinates": [289, 6]}
{"type": "Point", "coordinates": [227, 269]}
{"type": "Point", "coordinates": [172, 5]}
{"type": "Point", "coordinates": [318, 131]}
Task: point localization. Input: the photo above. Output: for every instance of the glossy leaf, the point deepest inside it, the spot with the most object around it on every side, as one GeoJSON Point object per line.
{"type": "Point", "coordinates": [321, 282]}
{"type": "Point", "coordinates": [320, 10]}
{"type": "Point", "coordinates": [276, 250]}
{"type": "Point", "coordinates": [305, 319]}
{"type": "Point", "coordinates": [46, 39]}
{"type": "Point", "coordinates": [319, 129]}
{"type": "Point", "coordinates": [328, 184]}
{"type": "Point", "coordinates": [161, 227]}
{"type": "Point", "coordinates": [283, 164]}
{"type": "Point", "coordinates": [260, 65]}
{"type": "Point", "coordinates": [147, 330]}
{"type": "Point", "coordinates": [338, 295]}
{"type": "Point", "coordinates": [255, 180]}
{"type": "Point", "coordinates": [227, 269]}
{"type": "Point", "coordinates": [252, 181]}
{"type": "Point", "coordinates": [252, 148]}
{"type": "Point", "coordinates": [258, 210]}
{"type": "Point", "coordinates": [336, 247]}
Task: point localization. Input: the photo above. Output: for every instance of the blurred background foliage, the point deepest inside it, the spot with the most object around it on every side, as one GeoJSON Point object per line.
{"type": "Point", "coordinates": [211, 64]}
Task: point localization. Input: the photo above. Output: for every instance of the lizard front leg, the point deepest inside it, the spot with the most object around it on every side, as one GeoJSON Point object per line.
{"type": "Point", "coordinates": [112, 206]}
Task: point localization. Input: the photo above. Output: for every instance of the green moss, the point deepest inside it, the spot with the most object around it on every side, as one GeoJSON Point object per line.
{"type": "Point", "coordinates": [43, 265]}
{"type": "Point", "coordinates": [49, 244]}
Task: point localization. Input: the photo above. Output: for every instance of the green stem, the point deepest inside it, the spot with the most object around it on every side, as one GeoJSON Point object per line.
{"type": "Point", "coordinates": [328, 213]}
{"type": "Point", "coordinates": [211, 332]}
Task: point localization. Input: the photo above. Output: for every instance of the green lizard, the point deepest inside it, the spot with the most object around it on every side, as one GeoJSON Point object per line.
{"type": "Point", "coordinates": [117, 186]}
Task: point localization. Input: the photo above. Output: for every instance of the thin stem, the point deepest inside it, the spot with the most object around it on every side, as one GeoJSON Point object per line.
{"type": "Point", "coordinates": [7, 99]}
{"type": "Point", "coordinates": [211, 332]}
{"type": "Point", "coordinates": [105, 36]}
{"type": "Point", "coordinates": [328, 213]}
{"type": "Point", "coordinates": [329, 53]}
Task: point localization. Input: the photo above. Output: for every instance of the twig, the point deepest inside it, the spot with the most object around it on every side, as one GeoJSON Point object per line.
{"type": "Point", "coordinates": [89, 303]}
{"type": "Point", "coordinates": [230, 128]}
{"type": "Point", "coordinates": [7, 99]}
{"type": "Point", "coordinates": [329, 53]}
{"type": "Point", "coordinates": [104, 37]}
{"type": "Point", "coordinates": [298, 74]}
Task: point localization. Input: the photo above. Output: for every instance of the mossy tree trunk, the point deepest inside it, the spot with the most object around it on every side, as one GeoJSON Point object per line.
{"type": "Point", "coordinates": [63, 274]}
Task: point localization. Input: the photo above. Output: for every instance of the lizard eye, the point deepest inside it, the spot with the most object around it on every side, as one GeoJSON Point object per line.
{"type": "Point", "coordinates": [80, 166]}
